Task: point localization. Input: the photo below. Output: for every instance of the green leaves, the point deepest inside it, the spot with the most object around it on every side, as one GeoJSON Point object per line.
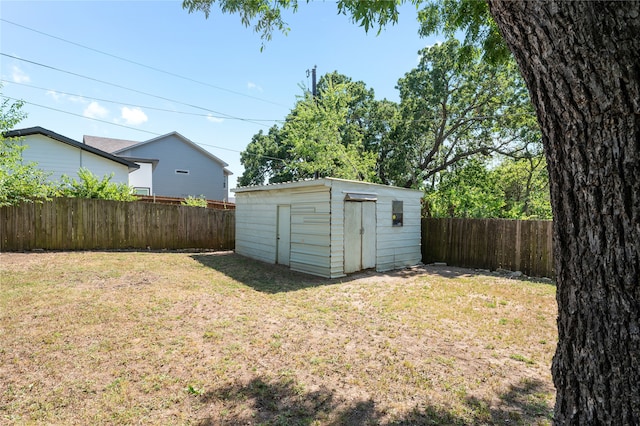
{"type": "Point", "coordinates": [469, 190]}
{"type": "Point", "coordinates": [514, 189]}
{"type": "Point", "coordinates": [471, 17]}
{"type": "Point", "coordinates": [192, 201]}
{"type": "Point", "coordinates": [330, 135]}
{"type": "Point", "coordinates": [90, 186]}
{"type": "Point", "coordinates": [264, 16]}
{"type": "Point", "coordinates": [455, 106]}
{"type": "Point", "coordinates": [325, 139]}
{"type": "Point", "coordinates": [19, 181]}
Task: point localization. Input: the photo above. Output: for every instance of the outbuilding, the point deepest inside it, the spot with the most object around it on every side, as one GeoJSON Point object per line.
{"type": "Point", "coordinates": [329, 227]}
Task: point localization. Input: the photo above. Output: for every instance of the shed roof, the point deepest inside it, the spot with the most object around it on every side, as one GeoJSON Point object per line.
{"type": "Point", "coordinates": [326, 181]}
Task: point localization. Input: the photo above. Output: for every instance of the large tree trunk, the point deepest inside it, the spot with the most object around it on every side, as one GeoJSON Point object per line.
{"type": "Point", "coordinates": [581, 62]}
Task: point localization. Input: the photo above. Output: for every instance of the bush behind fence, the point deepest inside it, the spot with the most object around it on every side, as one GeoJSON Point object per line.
{"type": "Point", "coordinates": [90, 224]}
{"type": "Point", "coordinates": [515, 245]}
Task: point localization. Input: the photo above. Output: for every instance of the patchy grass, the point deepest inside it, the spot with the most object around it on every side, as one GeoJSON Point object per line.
{"type": "Point", "coordinates": [215, 338]}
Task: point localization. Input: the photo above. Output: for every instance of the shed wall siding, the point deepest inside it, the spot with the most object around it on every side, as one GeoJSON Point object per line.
{"type": "Point", "coordinates": [337, 232]}
{"type": "Point", "coordinates": [396, 246]}
{"type": "Point", "coordinates": [256, 218]}
{"type": "Point", "coordinates": [317, 225]}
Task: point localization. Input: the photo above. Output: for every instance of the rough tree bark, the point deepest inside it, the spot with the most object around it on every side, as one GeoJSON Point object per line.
{"type": "Point", "coordinates": [581, 62]}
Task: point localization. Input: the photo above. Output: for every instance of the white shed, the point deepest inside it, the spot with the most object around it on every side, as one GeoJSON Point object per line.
{"type": "Point", "coordinates": [329, 227]}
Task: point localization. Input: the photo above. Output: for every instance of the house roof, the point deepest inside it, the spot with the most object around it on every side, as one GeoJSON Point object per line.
{"type": "Point", "coordinates": [116, 146]}
{"type": "Point", "coordinates": [327, 181]}
{"type": "Point", "coordinates": [107, 144]}
{"type": "Point", "coordinates": [58, 137]}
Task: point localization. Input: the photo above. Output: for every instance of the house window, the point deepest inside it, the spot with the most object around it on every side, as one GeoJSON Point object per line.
{"type": "Point", "coordinates": [182, 172]}
{"type": "Point", "coordinates": [141, 191]}
{"type": "Point", "coordinates": [396, 213]}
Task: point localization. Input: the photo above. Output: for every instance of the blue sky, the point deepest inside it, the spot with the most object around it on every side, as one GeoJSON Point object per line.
{"type": "Point", "coordinates": [212, 69]}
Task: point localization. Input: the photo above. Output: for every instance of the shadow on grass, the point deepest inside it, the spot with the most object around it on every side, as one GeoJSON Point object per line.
{"type": "Point", "coordinates": [270, 278]}
{"type": "Point", "coordinates": [447, 271]}
{"type": "Point", "coordinates": [283, 402]}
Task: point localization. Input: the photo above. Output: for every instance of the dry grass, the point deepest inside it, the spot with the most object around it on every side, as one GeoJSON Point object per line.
{"type": "Point", "coordinates": [214, 338]}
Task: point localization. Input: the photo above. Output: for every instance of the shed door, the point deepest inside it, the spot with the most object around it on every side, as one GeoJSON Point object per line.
{"type": "Point", "coordinates": [283, 232]}
{"type": "Point", "coordinates": [359, 236]}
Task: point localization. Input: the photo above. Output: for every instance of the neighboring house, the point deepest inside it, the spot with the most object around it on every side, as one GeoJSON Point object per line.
{"type": "Point", "coordinates": [329, 227]}
{"type": "Point", "coordinates": [170, 165]}
{"type": "Point", "coordinates": [60, 155]}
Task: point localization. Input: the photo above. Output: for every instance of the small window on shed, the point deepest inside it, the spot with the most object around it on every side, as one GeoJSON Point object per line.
{"type": "Point", "coordinates": [396, 213]}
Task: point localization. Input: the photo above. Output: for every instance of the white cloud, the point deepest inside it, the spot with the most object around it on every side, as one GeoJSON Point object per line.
{"type": "Point", "coordinates": [19, 76]}
{"type": "Point", "coordinates": [54, 95]}
{"type": "Point", "coordinates": [133, 116]}
{"type": "Point", "coordinates": [213, 119]}
{"type": "Point", "coordinates": [77, 99]}
{"type": "Point", "coordinates": [95, 110]}
{"type": "Point", "coordinates": [62, 97]}
{"type": "Point", "coordinates": [253, 86]}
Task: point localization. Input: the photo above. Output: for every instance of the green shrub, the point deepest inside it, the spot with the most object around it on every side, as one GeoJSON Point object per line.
{"type": "Point", "coordinates": [195, 201]}
{"type": "Point", "coordinates": [20, 182]}
{"type": "Point", "coordinates": [90, 186]}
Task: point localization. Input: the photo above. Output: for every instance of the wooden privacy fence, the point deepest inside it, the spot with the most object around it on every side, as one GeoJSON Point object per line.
{"type": "Point", "coordinates": [515, 245]}
{"type": "Point", "coordinates": [87, 224]}
{"type": "Point", "coordinates": [211, 204]}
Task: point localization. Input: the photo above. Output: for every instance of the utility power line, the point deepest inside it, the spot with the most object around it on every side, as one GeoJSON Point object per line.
{"type": "Point", "coordinates": [133, 105]}
{"type": "Point", "coordinates": [82, 116]}
{"type": "Point", "coordinates": [141, 64]}
{"type": "Point", "coordinates": [119, 86]}
{"type": "Point", "coordinates": [134, 128]}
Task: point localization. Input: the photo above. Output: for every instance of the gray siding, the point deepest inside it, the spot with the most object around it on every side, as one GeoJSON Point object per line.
{"type": "Point", "coordinates": [310, 231]}
{"type": "Point", "coordinates": [206, 176]}
{"type": "Point", "coordinates": [256, 219]}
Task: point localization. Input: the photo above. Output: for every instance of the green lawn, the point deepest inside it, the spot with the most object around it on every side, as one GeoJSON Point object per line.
{"type": "Point", "coordinates": [217, 339]}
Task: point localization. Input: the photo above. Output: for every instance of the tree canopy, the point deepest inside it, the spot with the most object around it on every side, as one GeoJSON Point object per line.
{"type": "Point", "coordinates": [455, 106]}
{"type": "Point", "coordinates": [329, 135]}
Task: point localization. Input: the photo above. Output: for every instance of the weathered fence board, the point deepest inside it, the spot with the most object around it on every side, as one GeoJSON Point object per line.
{"type": "Point", "coordinates": [516, 245]}
{"type": "Point", "coordinates": [87, 224]}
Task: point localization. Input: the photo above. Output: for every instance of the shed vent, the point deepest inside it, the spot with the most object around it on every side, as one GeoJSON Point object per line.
{"type": "Point", "coordinates": [360, 196]}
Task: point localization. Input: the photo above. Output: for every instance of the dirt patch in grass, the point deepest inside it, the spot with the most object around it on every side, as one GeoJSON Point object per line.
{"type": "Point", "coordinates": [215, 338]}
